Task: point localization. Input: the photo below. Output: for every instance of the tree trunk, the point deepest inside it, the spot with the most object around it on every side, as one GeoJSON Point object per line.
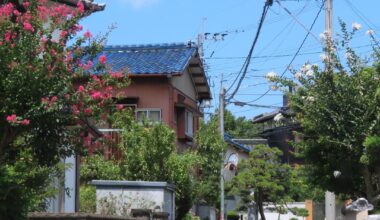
{"type": "Point", "coordinates": [4, 141]}
{"type": "Point", "coordinates": [368, 183]}
{"type": "Point", "coordinates": [374, 199]}
{"type": "Point", "coordinates": [260, 204]}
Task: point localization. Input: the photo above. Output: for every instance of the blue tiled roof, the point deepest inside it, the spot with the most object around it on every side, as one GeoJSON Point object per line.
{"type": "Point", "coordinates": [150, 58]}
{"type": "Point", "coordinates": [228, 139]}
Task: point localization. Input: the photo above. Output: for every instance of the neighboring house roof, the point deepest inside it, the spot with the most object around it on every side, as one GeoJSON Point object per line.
{"type": "Point", "coordinates": [285, 111]}
{"type": "Point", "coordinates": [280, 129]}
{"type": "Point", "coordinates": [229, 140]}
{"type": "Point", "coordinates": [160, 59]}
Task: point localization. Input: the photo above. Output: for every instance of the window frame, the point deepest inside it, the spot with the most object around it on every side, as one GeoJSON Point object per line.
{"type": "Point", "coordinates": [148, 110]}
{"type": "Point", "coordinates": [187, 133]}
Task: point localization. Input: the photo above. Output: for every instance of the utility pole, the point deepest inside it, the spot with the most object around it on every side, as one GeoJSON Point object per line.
{"type": "Point", "coordinates": [222, 98]}
{"type": "Point", "coordinates": [329, 17]}
{"type": "Point", "coordinates": [328, 30]}
{"type": "Point", "coordinates": [329, 196]}
{"type": "Point", "coordinates": [201, 39]}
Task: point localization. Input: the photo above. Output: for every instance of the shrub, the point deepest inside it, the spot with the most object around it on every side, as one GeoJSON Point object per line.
{"type": "Point", "coordinates": [87, 199]}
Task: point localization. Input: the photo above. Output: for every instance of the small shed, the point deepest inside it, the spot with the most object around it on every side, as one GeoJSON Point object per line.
{"type": "Point", "coordinates": [122, 197]}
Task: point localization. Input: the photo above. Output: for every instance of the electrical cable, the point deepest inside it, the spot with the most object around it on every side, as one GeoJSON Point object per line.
{"type": "Point", "coordinates": [245, 66]}
{"type": "Point", "coordinates": [296, 54]}
{"type": "Point", "coordinates": [361, 16]}
{"type": "Point", "coordinates": [278, 55]}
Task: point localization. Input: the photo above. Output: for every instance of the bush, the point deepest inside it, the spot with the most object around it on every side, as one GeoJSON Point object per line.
{"type": "Point", "coordinates": [96, 167]}
{"type": "Point", "coordinates": [190, 216]}
{"type": "Point", "coordinates": [232, 215]}
{"type": "Point", "coordinates": [87, 199]}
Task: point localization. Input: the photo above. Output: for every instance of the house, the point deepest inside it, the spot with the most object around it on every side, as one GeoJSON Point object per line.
{"type": "Point", "coordinates": [278, 128]}
{"type": "Point", "coordinates": [168, 85]}
{"type": "Point", "coordinates": [237, 151]}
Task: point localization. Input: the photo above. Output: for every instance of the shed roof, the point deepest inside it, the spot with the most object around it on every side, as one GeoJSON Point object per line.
{"type": "Point", "coordinates": [133, 184]}
{"type": "Point", "coordinates": [236, 144]}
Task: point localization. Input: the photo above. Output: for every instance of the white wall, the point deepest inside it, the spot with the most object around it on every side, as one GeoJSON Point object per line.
{"type": "Point", "coordinates": [125, 199]}
{"type": "Point", "coordinates": [184, 83]}
{"type": "Point", "coordinates": [229, 174]}
{"type": "Point", "coordinates": [272, 215]}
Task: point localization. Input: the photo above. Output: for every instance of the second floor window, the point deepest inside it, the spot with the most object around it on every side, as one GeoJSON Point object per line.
{"type": "Point", "coordinates": [189, 123]}
{"type": "Point", "coordinates": [150, 115]}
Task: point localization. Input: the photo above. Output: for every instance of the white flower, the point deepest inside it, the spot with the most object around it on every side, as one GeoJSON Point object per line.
{"type": "Point", "coordinates": [356, 26]}
{"type": "Point", "coordinates": [310, 98]}
{"type": "Point", "coordinates": [324, 36]}
{"type": "Point", "coordinates": [278, 117]}
{"type": "Point", "coordinates": [298, 75]}
{"type": "Point", "coordinates": [274, 87]}
{"type": "Point", "coordinates": [348, 56]}
{"type": "Point", "coordinates": [271, 75]}
{"type": "Point", "coordinates": [370, 32]}
{"type": "Point", "coordinates": [305, 68]}
{"type": "Point", "coordinates": [310, 73]}
{"type": "Point", "coordinates": [324, 57]}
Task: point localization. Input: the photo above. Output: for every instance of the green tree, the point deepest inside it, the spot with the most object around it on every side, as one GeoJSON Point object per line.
{"type": "Point", "coordinates": [338, 108]}
{"type": "Point", "coordinates": [239, 127]}
{"type": "Point", "coordinates": [150, 154]}
{"type": "Point", "coordinates": [210, 147]}
{"type": "Point", "coordinates": [47, 92]}
{"type": "Point", "coordinates": [262, 178]}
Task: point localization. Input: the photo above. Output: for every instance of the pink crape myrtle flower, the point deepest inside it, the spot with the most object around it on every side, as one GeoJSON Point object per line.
{"type": "Point", "coordinates": [8, 36]}
{"type": "Point", "coordinates": [16, 12]}
{"type": "Point", "coordinates": [116, 74]}
{"type": "Point", "coordinates": [87, 34]}
{"type": "Point", "coordinates": [75, 110]}
{"type": "Point", "coordinates": [87, 111]}
{"type": "Point", "coordinates": [28, 26]}
{"type": "Point", "coordinates": [12, 118]}
{"type": "Point", "coordinates": [25, 4]}
{"type": "Point", "coordinates": [102, 59]}
{"type": "Point", "coordinates": [96, 95]}
{"type": "Point", "coordinates": [6, 10]}
{"type": "Point", "coordinates": [63, 34]}
{"type": "Point", "coordinates": [88, 65]}
{"type": "Point", "coordinates": [80, 88]}
{"type": "Point", "coordinates": [80, 6]}
{"type": "Point", "coordinates": [25, 122]}
{"type": "Point", "coordinates": [119, 106]}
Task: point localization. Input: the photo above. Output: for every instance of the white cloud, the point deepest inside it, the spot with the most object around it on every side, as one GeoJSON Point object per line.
{"type": "Point", "coordinates": [138, 4]}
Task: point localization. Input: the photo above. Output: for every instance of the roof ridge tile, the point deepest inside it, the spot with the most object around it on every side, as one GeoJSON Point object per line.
{"type": "Point", "coordinates": [148, 46]}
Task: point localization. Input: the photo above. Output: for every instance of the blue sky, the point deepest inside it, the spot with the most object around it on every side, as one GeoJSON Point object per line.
{"type": "Point", "coordinates": [170, 21]}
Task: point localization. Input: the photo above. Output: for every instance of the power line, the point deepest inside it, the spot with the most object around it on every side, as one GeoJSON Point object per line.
{"type": "Point", "coordinates": [248, 60]}
{"type": "Point", "coordinates": [297, 20]}
{"type": "Point", "coordinates": [239, 103]}
{"type": "Point", "coordinates": [279, 55]}
{"type": "Point", "coordinates": [361, 16]}
{"type": "Point", "coordinates": [296, 54]}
